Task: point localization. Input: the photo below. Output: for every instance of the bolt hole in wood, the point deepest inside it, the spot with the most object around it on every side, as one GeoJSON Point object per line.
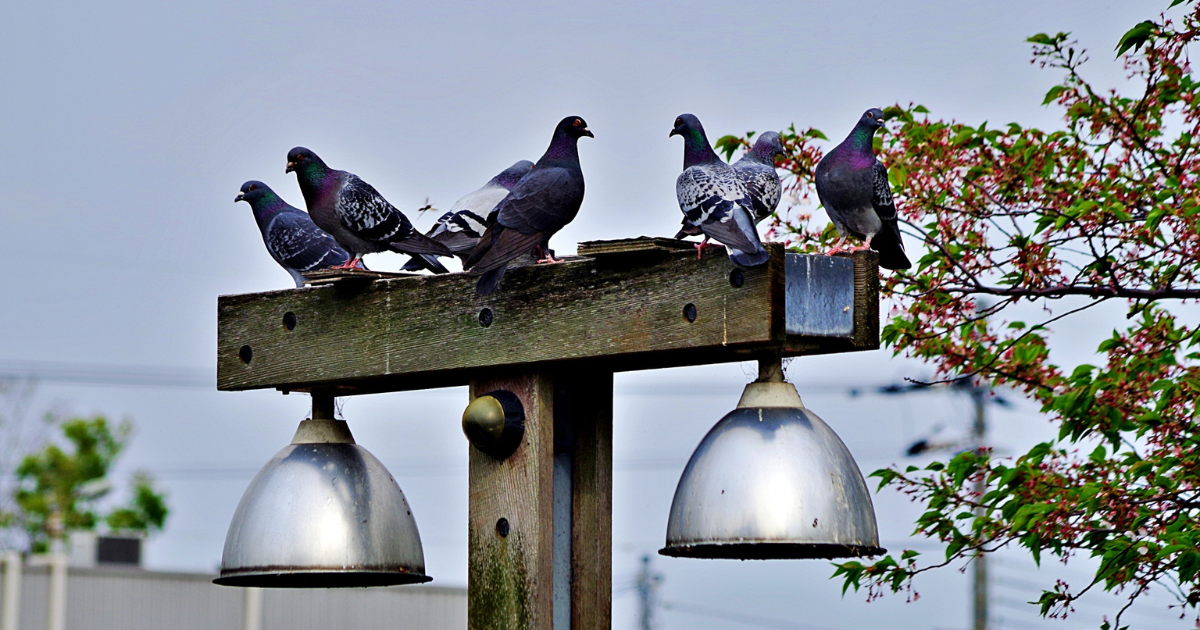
{"type": "Point", "coordinates": [502, 527]}
{"type": "Point", "coordinates": [289, 320]}
{"type": "Point", "coordinates": [689, 312]}
{"type": "Point", "coordinates": [246, 353]}
{"type": "Point", "coordinates": [486, 317]}
{"type": "Point", "coordinates": [737, 278]}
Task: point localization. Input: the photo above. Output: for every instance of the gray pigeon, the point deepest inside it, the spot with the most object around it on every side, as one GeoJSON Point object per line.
{"type": "Point", "coordinates": [713, 198]}
{"type": "Point", "coordinates": [757, 171]}
{"type": "Point", "coordinates": [853, 187]}
{"type": "Point", "coordinates": [541, 204]}
{"type": "Point", "coordinates": [460, 228]}
{"type": "Point", "coordinates": [292, 239]}
{"type": "Point", "coordinates": [356, 215]}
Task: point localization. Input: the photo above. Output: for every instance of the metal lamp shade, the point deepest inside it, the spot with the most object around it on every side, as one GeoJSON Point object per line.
{"type": "Point", "coordinates": [322, 513]}
{"type": "Point", "coordinates": [771, 481]}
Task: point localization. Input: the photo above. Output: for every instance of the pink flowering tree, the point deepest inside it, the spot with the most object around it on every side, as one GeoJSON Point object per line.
{"type": "Point", "coordinates": [1103, 209]}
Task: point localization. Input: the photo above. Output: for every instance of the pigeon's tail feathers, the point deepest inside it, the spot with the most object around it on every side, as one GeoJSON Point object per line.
{"type": "Point", "coordinates": [737, 231]}
{"type": "Point", "coordinates": [418, 243]}
{"type": "Point", "coordinates": [425, 261]}
{"type": "Point", "coordinates": [891, 249]}
{"type": "Point", "coordinates": [490, 280]}
{"type": "Point", "coordinates": [505, 245]}
{"type": "Point", "coordinates": [457, 242]}
{"type": "Point", "coordinates": [297, 277]}
{"type": "Point", "coordinates": [751, 259]}
{"type": "Point", "coordinates": [747, 257]}
{"type": "Point", "coordinates": [686, 230]}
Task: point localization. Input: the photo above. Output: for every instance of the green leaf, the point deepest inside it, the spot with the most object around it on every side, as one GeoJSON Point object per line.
{"type": "Point", "coordinates": [728, 145]}
{"type": "Point", "coordinates": [1135, 37]}
{"type": "Point", "coordinates": [1053, 94]}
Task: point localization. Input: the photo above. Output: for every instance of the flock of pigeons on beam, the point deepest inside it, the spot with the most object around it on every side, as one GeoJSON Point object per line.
{"type": "Point", "coordinates": [517, 212]}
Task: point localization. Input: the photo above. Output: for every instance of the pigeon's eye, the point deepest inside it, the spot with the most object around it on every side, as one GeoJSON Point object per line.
{"type": "Point", "coordinates": [678, 122]}
{"type": "Point", "coordinates": [299, 156]}
{"type": "Point", "coordinates": [253, 187]}
{"type": "Point", "coordinates": [577, 122]}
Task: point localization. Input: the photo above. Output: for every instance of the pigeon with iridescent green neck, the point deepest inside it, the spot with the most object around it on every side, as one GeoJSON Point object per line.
{"type": "Point", "coordinates": [356, 215]}
{"type": "Point", "coordinates": [713, 198]}
{"type": "Point", "coordinates": [291, 237]}
{"type": "Point", "coordinates": [854, 189]}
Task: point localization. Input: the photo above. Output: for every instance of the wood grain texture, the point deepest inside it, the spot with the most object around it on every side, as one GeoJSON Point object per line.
{"type": "Point", "coordinates": [618, 311]}
{"type": "Point", "coordinates": [510, 578]}
{"type": "Point", "coordinates": [585, 398]}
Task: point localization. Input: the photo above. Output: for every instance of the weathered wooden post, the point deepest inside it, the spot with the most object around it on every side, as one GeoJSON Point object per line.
{"type": "Point", "coordinates": [540, 523]}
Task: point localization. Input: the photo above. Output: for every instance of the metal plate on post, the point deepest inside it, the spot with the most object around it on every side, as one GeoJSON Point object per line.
{"type": "Point", "coordinates": [819, 296]}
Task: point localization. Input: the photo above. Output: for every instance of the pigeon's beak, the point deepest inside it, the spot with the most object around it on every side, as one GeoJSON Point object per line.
{"type": "Point", "coordinates": [240, 197]}
{"type": "Point", "coordinates": [674, 132]}
{"type": "Point", "coordinates": [290, 167]}
{"type": "Point", "coordinates": [588, 132]}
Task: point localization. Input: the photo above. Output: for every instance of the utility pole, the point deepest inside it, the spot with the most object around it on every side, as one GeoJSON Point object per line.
{"type": "Point", "coordinates": [647, 589]}
{"type": "Point", "coordinates": [980, 397]}
{"type": "Point", "coordinates": [980, 587]}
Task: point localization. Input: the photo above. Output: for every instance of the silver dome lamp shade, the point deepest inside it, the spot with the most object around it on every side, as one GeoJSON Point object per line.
{"type": "Point", "coordinates": [323, 513]}
{"type": "Point", "coordinates": [771, 481]}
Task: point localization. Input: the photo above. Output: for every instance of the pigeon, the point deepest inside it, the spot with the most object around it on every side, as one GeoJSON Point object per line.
{"type": "Point", "coordinates": [544, 201]}
{"type": "Point", "coordinates": [713, 198]}
{"type": "Point", "coordinates": [853, 186]}
{"type": "Point", "coordinates": [467, 220]}
{"type": "Point", "coordinates": [292, 239]}
{"type": "Point", "coordinates": [356, 215]}
{"type": "Point", "coordinates": [756, 169]}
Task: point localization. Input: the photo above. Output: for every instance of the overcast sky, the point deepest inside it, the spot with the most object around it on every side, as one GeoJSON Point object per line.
{"type": "Point", "coordinates": [129, 127]}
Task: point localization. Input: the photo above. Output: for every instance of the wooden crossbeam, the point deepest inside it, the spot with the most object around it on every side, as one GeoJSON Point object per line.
{"type": "Point", "coordinates": [621, 305]}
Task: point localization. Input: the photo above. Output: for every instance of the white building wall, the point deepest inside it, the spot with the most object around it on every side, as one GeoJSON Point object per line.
{"type": "Point", "coordinates": [130, 599]}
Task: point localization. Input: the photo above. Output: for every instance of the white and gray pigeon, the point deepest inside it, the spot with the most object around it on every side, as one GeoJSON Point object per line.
{"type": "Point", "coordinates": [854, 189]}
{"type": "Point", "coordinates": [713, 198]}
{"type": "Point", "coordinates": [541, 204]}
{"type": "Point", "coordinates": [757, 171]}
{"type": "Point", "coordinates": [291, 237]}
{"type": "Point", "coordinates": [356, 215]}
{"type": "Point", "coordinates": [461, 227]}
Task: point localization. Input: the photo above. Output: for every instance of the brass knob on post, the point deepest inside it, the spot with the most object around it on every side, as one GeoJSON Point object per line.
{"type": "Point", "coordinates": [495, 423]}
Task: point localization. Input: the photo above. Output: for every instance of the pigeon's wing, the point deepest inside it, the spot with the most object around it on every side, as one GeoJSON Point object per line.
{"type": "Point", "coordinates": [439, 226]}
{"type": "Point", "coordinates": [542, 202]}
{"type": "Point", "coordinates": [887, 242]}
{"type": "Point", "coordinates": [368, 215]}
{"type": "Point", "coordinates": [481, 201]}
{"type": "Point", "coordinates": [762, 186]}
{"type": "Point", "coordinates": [498, 246]}
{"type": "Point", "coordinates": [702, 191]}
{"type": "Point", "coordinates": [296, 243]}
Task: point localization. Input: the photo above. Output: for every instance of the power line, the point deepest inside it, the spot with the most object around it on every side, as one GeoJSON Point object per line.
{"type": "Point", "coordinates": [753, 620]}
{"type": "Point", "coordinates": [108, 374]}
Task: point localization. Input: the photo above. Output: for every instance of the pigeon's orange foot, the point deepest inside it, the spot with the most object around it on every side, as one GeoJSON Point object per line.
{"type": "Point", "coordinates": [350, 264]}
{"type": "Point", "coordinates": [700, 247]}
{"type": "Point", "coordinates": [549, 260]}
